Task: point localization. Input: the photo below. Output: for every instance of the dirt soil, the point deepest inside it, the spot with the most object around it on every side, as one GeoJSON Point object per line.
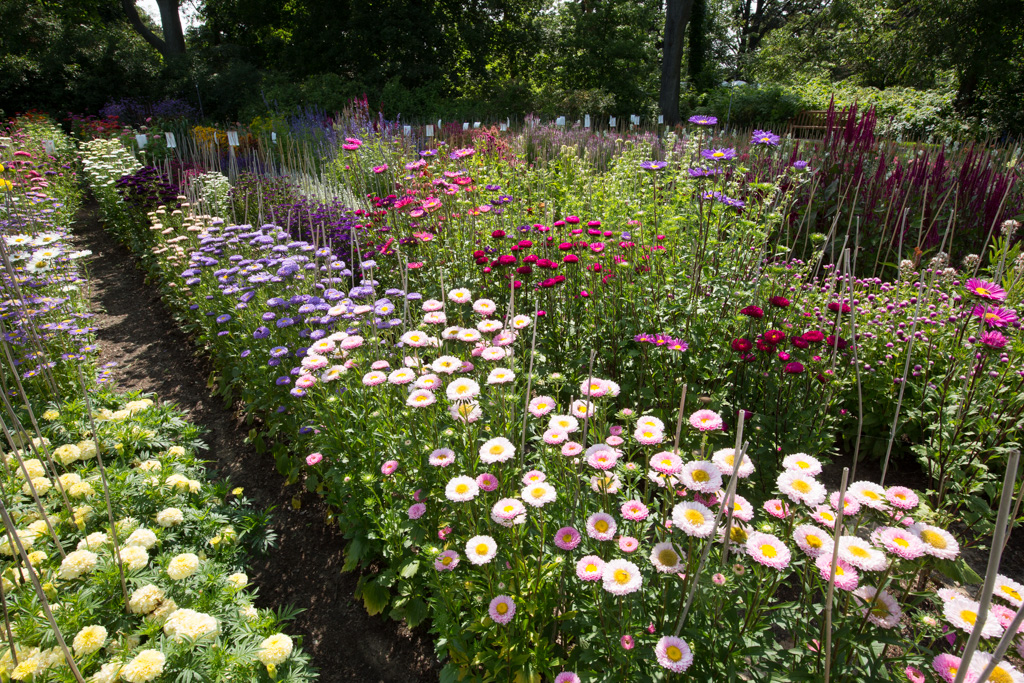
{"type": "Point", "coordinates": [153, 355]}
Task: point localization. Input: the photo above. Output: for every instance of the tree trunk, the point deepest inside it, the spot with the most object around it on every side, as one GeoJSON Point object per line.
{"type": "Point", "coordinates": [677, 13]}
{"type": "Point", "coordinates": [173, 43]}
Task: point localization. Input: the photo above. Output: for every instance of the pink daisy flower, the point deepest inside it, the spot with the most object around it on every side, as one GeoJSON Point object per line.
{"type": "Point", "coordinates": [567, 538]}
{"type": "Point", "coordinates": [801, 488]}
{"type": "Point", "coordinates": [614, 441]}
{"type": "Point", "coordinates": [776, 508]}
{"type": "Point", "coordinates": [601, 526]}
{"type": "Point", "coordinates": [648, 436]}
{"type": "Point", "coordinates": [567, 677]}
{"type": "Point", "coordinates": [541, 406]}
{"type": "Point", "coordinates": [508, 512]}
{"type": "Point", "coordinates": [389, 467]}
{"type": "Point", "coordinates": [553, 437]}
{"type": "Point", "coordinates": [693, 519]}
{"type": "Point", "coordinates": [725, 460]}
{"type": "Point", "coordinates": [824, 515]}
{"type": "Point", "coordinates": [673, 654]}
{"type": "Point", "coordinates": [812, 540]}
{"type": "Point", "coordinates": [621, 577]}
{"type": "Point", "coordinates": [534, 477]}
{"type": "Point", "coordinates": [861, 554]}
{"type": "Point", "coordinates": [706, 421]}
{"type": "Point", "coordinates": [571, 449]}
{"type": "Point", "coordinates": [914, 675]}
{"type": "Point", "coordinates": [442, 457]}
{"type": "Point", "coordinates": [701, 475]}
{"type": "Point", "coordinates": [590, 568]}
{"type": "Point", "coordinates": [741, 509]}
{"type": "Point", "coordinates": [487, 482]}
{"type": "Point", "coordinates": [846, 575]}
{"type": "Point", "coordinates": [868, 494]}
{"type": "Point", "coordinates": [801, 462]}
{"type": "Point", "coordinates": [628, 544]}
{"type": "Point", "coordinates": [634, 511]}
{"type": "Point", "coordinates": [601, 457]}
{"type": "Point", "coordinates": [626, 642]}
{"type": "Point", "coordinates": [502, 609]}
{"type": "Point", "coordinates": [372, 379]}
{"type": "Point", "coordinates": [851, 505]}
{"type": "Point", "coordinates": [900, 542]}
{"type": "Point", "coordinates": [446, 561]}
{"type": "Point", "coordinates": [416, 511]}
{"type": "Point", "coordinates": [768, 550]}
{"type": "Point", "coordinates": [880, 608]}
{"type": "Point", "coordinates": [901, 497]}
{"type": "Point", "coordinates": [666, 462]}
{"type": "Point", "coordinates": [947, 666]}
{"type": "Point", "coordinates": [379, 365]}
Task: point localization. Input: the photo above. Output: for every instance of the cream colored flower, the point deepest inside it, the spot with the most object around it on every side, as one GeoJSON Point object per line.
{"type": "Point", "coordinates": [186, 623]}
{"type": "Point", "coordinates": [67, 454]}
{"type": "Point", "coordinates": [142, 537]}
{"type": "Point", "coordinates": [169, 517]}
{"type": "Point", "coordinates": [145, 599]}
{"type": "Point", "coordinates": [239, 580]}
{"type": "Point", "coordinates": [90, 639]}
{"type": "Point", "coordinates": [77, 563]}
{"type": "Point", "coordinates": [275, 649]}
{"type": "Point", "coordinates": [183, 566]}
{"type": "Point", "coordinates": [176, 451]}
{"type": "Point", "coordinates": [146, 666]}
{"type": "Point", "coordinates": [93, 541]}
{"type": "Point", "coordinates": [134, 557]}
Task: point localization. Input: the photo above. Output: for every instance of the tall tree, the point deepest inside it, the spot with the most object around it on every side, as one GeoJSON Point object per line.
{"type": "Point", "coordinates": [172, 45]}
{"type": "Point", "coordinates": [677, 13]}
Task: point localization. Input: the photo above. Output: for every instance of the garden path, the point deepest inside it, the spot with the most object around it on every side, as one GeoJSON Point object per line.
{"type": "Point", "coordinates": [152, 354]}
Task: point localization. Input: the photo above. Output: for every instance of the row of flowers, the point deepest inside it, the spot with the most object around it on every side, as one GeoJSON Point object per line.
{"type": "Point", "coordinates": [112, 526]}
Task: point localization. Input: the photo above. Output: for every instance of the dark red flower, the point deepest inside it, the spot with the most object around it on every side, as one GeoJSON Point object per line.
{"type": "Point", "coordinates": [834, 307]}
{"type": "Point", "coordinates": [741, 345]}
{"type": "Point", "coordinates": [794, 368]}
{"type": "Point", "coordinates": [779, 301]}
{"type": "Point", "coordinates": [498, 234]}
{"type": "Point", "coordinates": [774, 336]}
{"type": "Point", "coordinates": [524, 270]}
{"type": "Point", "coordinates": [570, 258]}
{"type": "Point", "coordinates": [506, 260]}
{"type": "Point", "coordinates": [831, 340]}
{"type": "Point", "coordinates": [753, 311]}
{"type": "Point", "coordinates": [765, 346]}
{"type": "Point", "coordinates": [813, 336]}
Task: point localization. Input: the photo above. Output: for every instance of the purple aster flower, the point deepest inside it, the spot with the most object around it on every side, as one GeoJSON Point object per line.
{"type": "Point", "coordinates": [721, 154]}
{"type": "Point", "coordinates": [653, 165]}
{"type": "Point", "coordinates": [703, 172]}
{"type": "Point", "coordinates": [799, 164]}
{"type": "Point", "coordinates": [764, 137]}
{"type": "Point", "coordinates": [261, 332]}
{"type": "Point", "coordinates": [702, 120]}
{"type": "Point", "coordinates": [279, 351]}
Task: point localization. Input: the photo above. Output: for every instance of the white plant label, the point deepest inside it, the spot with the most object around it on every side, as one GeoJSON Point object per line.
{"type": "Point", "coordinates": [430, 131]}
{"type": "Point", "coordinates": [586, 120]}
{"type": "Point", "coordinates": [407, 130]}
{"type": "Point", "coordinates": [661, 119]}
{"type": "Point", "coordinates": [49, 147]}
{"type": "Point", "coordinates": [140, 140]}
{"type": "Point", "coordinates": [273, 138]}
{"type": "Point", "coordinates": [504, 127]}
{"type": "Point", "coordinates": [465, 125]}
{"type": "Point", "coordinates": [560, 121]}
{"type": "Point", "coordinates": [233, 138]}
{"type": "Point", "coordinates": [476, 124]}
{"type": "Point", "coordinates": [171, 142]}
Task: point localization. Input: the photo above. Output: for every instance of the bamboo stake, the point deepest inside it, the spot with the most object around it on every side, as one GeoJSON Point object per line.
{"type": "Point", "coordinates": [832, 574]}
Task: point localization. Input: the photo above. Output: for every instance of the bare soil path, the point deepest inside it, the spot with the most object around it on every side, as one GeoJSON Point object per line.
{"type": "Point", "coordinates": [153, 355]}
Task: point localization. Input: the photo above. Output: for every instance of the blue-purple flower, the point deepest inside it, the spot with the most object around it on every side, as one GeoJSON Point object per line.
{"type": "Point", "coordinates": [721, 154]}
{"type": "Point", "coordinates": [702, 120]}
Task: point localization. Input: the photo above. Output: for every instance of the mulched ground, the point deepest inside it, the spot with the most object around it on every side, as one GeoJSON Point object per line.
{"type": "Point", "coordinates": [153, 355]}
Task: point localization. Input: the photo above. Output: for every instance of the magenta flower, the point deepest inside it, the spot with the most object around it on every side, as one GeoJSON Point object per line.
{"type": "Point", "coordinates": [389, 467]}
{"type": "Point", "coordinates": [994, 316]}
{"type": "Point", "coordinates": [626, 641]}
{"type": "Point", "coordinates": [753, 311]}
{"type": "Point", "coordinates": [985, 289]}
{"type": "Point", "coordinates": [313, 458]}
{"type": "Point", "coordinates": [793, 368]}
{"type": "Point", "coordinates": [416, 511]}
{"type": "Point", "coordinates": [779, 301]}
{"type": "Point", "coordinates": [993, 340]}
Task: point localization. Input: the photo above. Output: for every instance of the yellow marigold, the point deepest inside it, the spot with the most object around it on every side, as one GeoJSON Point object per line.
{"type": "Point", "coordinates": [37, 557]}
{"type": "Point", "coordinates": [107, 673]}
{"type": "Point", "coordinates": [86, 450]}
{"type": "Point", "coordinates": [42, 486]}
{"type": "Point", "coordinates": [69, 479]}
{"type": "Point", "coordinates": [82, 489]}
{"type": "Point", "coordinates": [176, 451]}
{"type": "Point", "coordinates": [146, 666]}
{"type": "Point", "coordinates": [90, 639]}
{"type": "Point", "coordinates": [51, 415]}
{"type": "Point", "coordinates": [151, 466]}
{"type": "Point", "coordinates": [94, 541]}
{"type": "Point", "coordinates": [186, 623]}
{"type": "Point", "coordinates": [169, 517]}
{"type": "Point", "coordinates": [142, 537]}
{"type": "Point", "coordinates": [160, 614]}
{"type": "Point", "coordinates": [239, 580]}
{"type": "Point", "coordinates": [183, 566]}
{"type": "Point", "coordinates": [34, 467]}
{"type": "Point", "coordinates": [275, 649]}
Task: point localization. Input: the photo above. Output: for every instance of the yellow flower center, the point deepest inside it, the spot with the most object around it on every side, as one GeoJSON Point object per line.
{"type": "Point", "coordinates": [718, 154]}
{"type": "Point", "coordinates": [446, 560]}
{"type": "Point", "coordinates": [879, 608]}
{"type": "Point", "coordinates": [497, 449]}
{"type": "Point", "coordinates": [1000, 675]}
{"type": "Point", "coordinates": [481, 549]}
{"type": "Point", "coordinates": [982, 290]}
{"type": "Point", "coordinates": [509, 508]}
{"type": "Point", "coordinates": [814, 541]}
{"type": "Point", "coordinates": [502, 608]}
{"type": "Point", "coordinates": [668, 557]}
{"type": "Point", "coordinates": [870, 494]}
{"type": "Point", "coordinates": [969, 616]}
{"type": "Point", "coordinates": [857, 551]}
{"type": "Point", "coordinates": [591, 568]}
{"type": "Point", "coordinates": [827, 515]}
{"type": "Point", "coordinates": [701, 476]}
{"type": "Point", "coordinates": [694, 517]}
{"type": "Point", "coordinates": [601, 525]}
{"type": "Point", "coordinates": [462, 389]}
{"type": "Point", "coordinates": [737, 535]}
{"type": "Point", "coordinates": [802, 486]}
{"type": "Point", "coordinates": [566, 538]}
{"type": "Point", "coordinates": [461, 488]}
{"type": "Point", "coordinates": [538, 492]}
{"type": "Point", "coordinates": [622, 577]}
{"type": "Point", "coordinates": [933, 539]}
{"type": "Point", "coordinates": [1011, 592]}
{"type": "Point", "coordinates": [674, 653]}
{"type": "Point", "coordinates": [901, 542]}
{"type": "Point", "coordinates": [769, 551]}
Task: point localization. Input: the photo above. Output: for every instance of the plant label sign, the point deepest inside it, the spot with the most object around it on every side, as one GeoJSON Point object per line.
{"type": "Point", "coordinates": [273, 138]}
{"type": "Point", "coordinates": [560, 121]}
{"type": "Point", "coordinates": [504, 127]}
{"type": "Point", "coordinates": [141, 140]}
{"type": "Point", "coordinates": [171, 142]}
{"type": "Point", "coordinates": [476, 124]}
{"type": "Point", "coordinates": [233, 138]}
{"type": "Point", "coordinates": [586, 120]}
{"type": "Point", "coordinates": [661, 119]}
{"type": "Point", "coordinates": [465, 125]}
{"type": "Point", "coordinates": [407, 130]}
{"type": "Point", "coordinates": [634, 119]}
{"type": "Point", "coordinates": [430, 131]}
{"type": "Point", "coordinates": [49, 147]}
{"type": "Point", "coordinates": [611, 121]}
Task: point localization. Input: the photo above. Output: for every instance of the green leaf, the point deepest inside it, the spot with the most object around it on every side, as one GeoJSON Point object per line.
{"type": "Point", "coordinates": [375, 598]}
{"type": "Point", "coordinates": [415, 612]}
{"type": "Point", "coordinates": [409, 570]}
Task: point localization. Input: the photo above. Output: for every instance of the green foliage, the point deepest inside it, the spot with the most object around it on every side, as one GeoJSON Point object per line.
{"type": "Point", "coordinates": [748, 105]}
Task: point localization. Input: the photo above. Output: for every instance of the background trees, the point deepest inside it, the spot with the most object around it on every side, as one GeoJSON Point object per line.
{"type": "Point", "coordinates": [479, 58]}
